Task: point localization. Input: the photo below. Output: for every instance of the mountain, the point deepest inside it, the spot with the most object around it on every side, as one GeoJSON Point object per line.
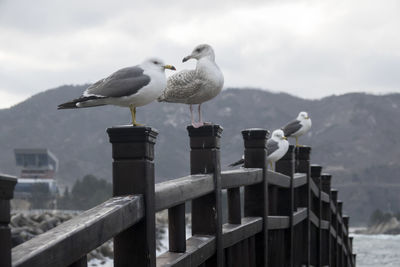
{"type": "Point", "coordinates": [354, 136]}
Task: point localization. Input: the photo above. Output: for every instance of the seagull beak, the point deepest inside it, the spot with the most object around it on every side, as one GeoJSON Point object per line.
{"type": "Point", "coordinates": [170, 67]}
{"type": "Point", "coordinates": [186, 58]}
{"type": "Point", "coordinates": [307, 117]}
{"type": "Point", "coordinates": [284, 138]}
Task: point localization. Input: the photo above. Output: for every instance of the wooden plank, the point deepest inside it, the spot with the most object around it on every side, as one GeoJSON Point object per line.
{"type": "Point", "coordinates": [199, 248]}
{"type": "Point", "coordinates": [333, 208]}
{"type": "Point", "coordinates": [234, 206]}
{"type": "Point", "coordinates": [314, 219]}
{"type": "Point", "coordinates": [325, 197]}
{"type": "Point", "coordinates": [324, 225]}
{"type": "Point", "coordinates": [314, 188]}
{"type": "Point", "coordinates": [71, 240]}
{"type": "Point", "coordinates": [333, 231]}
{"type": "Point", "coordinates": [299, 215]}
{"type": "Point", "coordinates": [241, 177]}
{"type": "Point", "coordinates": [178, 191]}
{"type": "Point", "coordinates": [299, 179]}
{"type": "Point", "coordinates": [177, 228]}
{"type": "Point", "coordinates": [82, 262]}
{"type": "Point", "coordinates": [278, 179]}
{"type": "Point", "coordinates": [234, 233]}
{"type": "Point", "coordinates": [278, 222]}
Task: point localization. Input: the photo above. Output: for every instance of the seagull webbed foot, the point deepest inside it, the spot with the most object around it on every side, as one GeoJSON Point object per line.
{"type": "Point", "coordinates": [197, 124]}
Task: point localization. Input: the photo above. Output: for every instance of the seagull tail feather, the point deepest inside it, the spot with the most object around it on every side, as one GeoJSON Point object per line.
{"type": "Point", "coordinates": [239, 162]}
{"type": "Point", "coordinates": [86, 101]}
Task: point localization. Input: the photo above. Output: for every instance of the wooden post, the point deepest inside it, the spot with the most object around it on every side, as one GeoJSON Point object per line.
{"type": "Point", "coordinates": [326, 216]}
{"type": "Point", "coordinates": [286, 166]}
{"type": "Point", "coordinates": [133, 173]}
{"type": "Point", "coordinates": [346, 238]}
{"type": "Point", "coordinates": [234, 207]}
{"type": "Point", "coordinates": [303, 230]}
{"type": "Point", "coordinates": [7, 184]}
{"type": "Point", "coordinates": [316, 177]}
{"type": "Point", "coordinates": [177, 228]}
{"type": "Point", "coordinates": [207, 210]}
{"type": "Point", "coordinates": [334, 223]}
{"type": "Point", "coordinates": [256, 196]}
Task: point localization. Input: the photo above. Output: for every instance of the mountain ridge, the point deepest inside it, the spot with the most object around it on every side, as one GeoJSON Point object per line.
{"type": "Point", "coordinates": [353, 136]}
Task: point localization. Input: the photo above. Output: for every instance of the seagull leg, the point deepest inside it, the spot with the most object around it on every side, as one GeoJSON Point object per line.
{"type": "Point", "coordinates": [133, 113]}
{"type": "Point", "coordinates": [191, 116]}
{"type": "Point", "coordinates": [197, 124]}
{"type": "Point", "coordinates": [297, 142]}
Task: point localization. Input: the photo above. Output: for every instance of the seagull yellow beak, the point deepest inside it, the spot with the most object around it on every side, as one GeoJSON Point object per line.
{"type": "Point", "coordinates": [307, 117]}
{"type": "Point", "coordinates": [284, 138]}
{"type": "Point", "coordinates": [170, 67]}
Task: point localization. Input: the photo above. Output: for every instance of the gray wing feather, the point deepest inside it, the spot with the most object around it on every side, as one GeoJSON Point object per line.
{"type": "Point", "coordinates": [272, 146]}
{"type": "Point", "coordinates": [124, 82]}
{"type": "Point", "coordinates": [291, 128]}
{"type": "Point", "coordinates": [181, 86]}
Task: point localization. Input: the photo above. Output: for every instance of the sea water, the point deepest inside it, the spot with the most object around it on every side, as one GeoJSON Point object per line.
{"type": "Point", "coordinates": [377, 250]}
{"type": "Point", "coordinates": [371, 250]}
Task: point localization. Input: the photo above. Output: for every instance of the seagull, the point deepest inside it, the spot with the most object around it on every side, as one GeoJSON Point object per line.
{"type": "Point", "coordinates": [195, 86]}
{"type": "Point", "coordinates": [277, 146]}
{"type": "Point", "coordinates": [128, 87]}
{"type": "Point", "coordinates": [298, 127]}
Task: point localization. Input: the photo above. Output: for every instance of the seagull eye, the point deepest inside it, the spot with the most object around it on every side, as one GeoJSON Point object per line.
{"type": "Point", "coordinates": [198, 50]}
{"type": "Point", "coordinates": [155, 62]}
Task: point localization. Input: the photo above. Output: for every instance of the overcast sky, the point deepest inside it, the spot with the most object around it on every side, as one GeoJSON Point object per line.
{"type": "Point", "coordinates": [304, 47]}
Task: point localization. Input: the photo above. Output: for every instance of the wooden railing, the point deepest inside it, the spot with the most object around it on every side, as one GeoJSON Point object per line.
{"type": "Point", "coordinates": [290, 217]}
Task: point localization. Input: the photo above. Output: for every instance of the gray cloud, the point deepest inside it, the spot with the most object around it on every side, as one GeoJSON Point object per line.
{"type": "Point", "coordinates": [307, 48]}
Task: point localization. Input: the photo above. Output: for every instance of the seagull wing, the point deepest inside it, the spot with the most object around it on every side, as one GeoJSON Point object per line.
{"type": "Point", "coordinates": [291, 128]}
{"type": "Point", "coordinates": [181, 86]}
{"type": "Point", "coordinates": [124, 82]}
{"type": "Point", "coordinates": [272, 146]}
{"type": "Point", "coordinates": [239, 162]}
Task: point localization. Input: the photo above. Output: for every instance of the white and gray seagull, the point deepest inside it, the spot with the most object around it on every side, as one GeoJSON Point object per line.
{"type": "Point", "coordinates": [195, 86]}
{"type": "Point", "coordinates": [277, 146]}
{"type": "Point", "coordinates": [298, 127]}
{"type": "Point", "coordinates": [128, 87]}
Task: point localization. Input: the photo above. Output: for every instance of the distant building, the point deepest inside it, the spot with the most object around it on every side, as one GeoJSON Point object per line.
{"type": "Point", "coordinates": [37, 170]}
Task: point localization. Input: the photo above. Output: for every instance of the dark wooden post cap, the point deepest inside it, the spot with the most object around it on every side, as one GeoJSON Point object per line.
{"type": "Point", "coordinates": [303, 152]}
{"type": "Point", "coordinates": [326, 182]}
{"type": "Point", "coordinates": [132, 134]}
{"type": "Point", "coordinates": [346, 220]}
{"type": "Point", "coordinates": [340, 206]}
{"type": "Point", "coordinates": [255, 137]}
{"type": "Point", "coordinates": [207, 136]}
{"type": "Point", "coordinates": [316, 170]}
{"type": "Point", "coordinates": [7, 184]}
{"type": "Point", "coordinates": [334, 194]}
{"type": "Point", "coordinates": [132, 142]}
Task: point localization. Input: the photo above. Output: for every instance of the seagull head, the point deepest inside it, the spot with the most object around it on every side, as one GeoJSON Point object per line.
{"type": "Point", "coordinates": [158, 64]}
{"type": "Point", "coordinates": [303, 116]}
{"type": "Point", "coordinates": [200, 51]}
{"type": "Point", "coordinates": [278, 135]}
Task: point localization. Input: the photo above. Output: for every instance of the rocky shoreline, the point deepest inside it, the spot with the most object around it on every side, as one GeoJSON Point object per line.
{"type": "Point", "coordinates": [26, 225]}
{"type": "Point", "coordinates": [388, 227]}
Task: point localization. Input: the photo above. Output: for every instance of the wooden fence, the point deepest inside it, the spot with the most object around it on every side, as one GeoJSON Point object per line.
{"type": "Point", "coordinates": [291, 217]}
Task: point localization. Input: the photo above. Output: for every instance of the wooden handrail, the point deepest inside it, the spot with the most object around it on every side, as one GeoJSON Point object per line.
{"type": "Point", "coordinates": [177, 191]}
{"type": "Point", "coordinates": [69, 241]}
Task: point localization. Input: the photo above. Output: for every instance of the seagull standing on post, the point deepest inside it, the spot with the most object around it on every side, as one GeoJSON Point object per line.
{"type": "Point", "coordinates": [298, 127]}
{"type": "Point", "coordinates": [128, 87]}
{"type": "Point", "coordinates": [195, 86]}
{"type": "Point", "coordinates": [277, 146]}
